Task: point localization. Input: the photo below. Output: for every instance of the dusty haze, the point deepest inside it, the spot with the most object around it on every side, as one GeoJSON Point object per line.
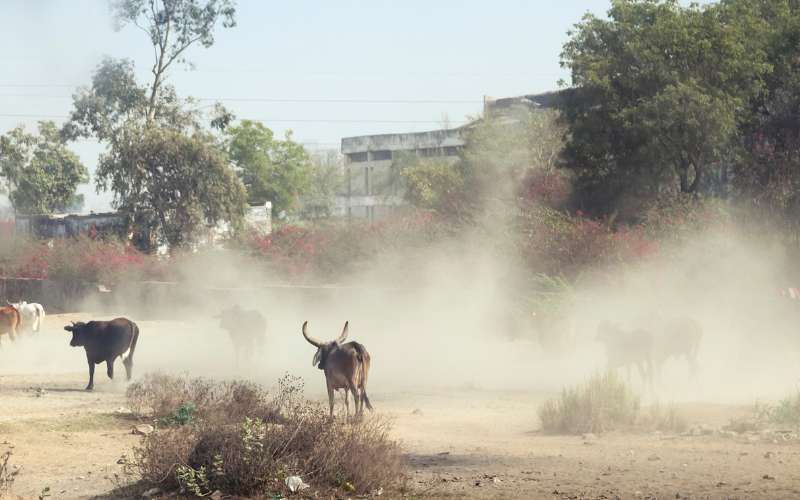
{"type": "Point", "coordinates": [440, 318]}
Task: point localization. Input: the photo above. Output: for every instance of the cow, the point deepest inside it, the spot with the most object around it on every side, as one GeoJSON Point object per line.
{"type": "Point", "coordinates": [9, 322]}
{"type": "Point", "coordinates": [677, 337]}
{"type": "Point", "coordinates": [628, 347]}
{"type": "Point", "coordinates": [246, 329]}
{"type": "Point", "coordinates": [105, 341]}
{"type": "Point", "coordinates": [31, 314]}
{"type": "Point", "coordinates": [346, 366]}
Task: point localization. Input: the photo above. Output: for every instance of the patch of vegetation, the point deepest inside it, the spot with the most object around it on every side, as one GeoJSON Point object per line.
{"type": "Point", "coordinates": [7, 474]}
{"type": "Point", "coordinates": [245, 441]}
{"type": "Point", "coordinates": [604, 403]}
{"type": "Point", "coordinates": [664, 419]}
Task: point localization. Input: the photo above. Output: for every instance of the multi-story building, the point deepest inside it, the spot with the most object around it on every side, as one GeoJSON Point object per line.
{"type": "Point", "coordinates": [373, 188]}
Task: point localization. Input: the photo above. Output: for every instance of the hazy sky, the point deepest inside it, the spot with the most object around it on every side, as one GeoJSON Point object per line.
{"type": "Point", "coordinates": [439, 51]}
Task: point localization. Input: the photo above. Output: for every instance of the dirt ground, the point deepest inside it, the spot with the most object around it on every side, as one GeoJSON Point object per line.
{"type": "Point", "coordinates": [465, 443]}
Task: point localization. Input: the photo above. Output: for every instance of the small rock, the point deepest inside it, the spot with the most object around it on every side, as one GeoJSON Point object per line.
{"type": "Point", "coordinates": [82, 478]}
{"type": "Point", "coordinates": [638, 494]}
{"type": "Point", "coordinates": [496, 480]}
{"type": "Point", "coordinates": [768, 455]}
{"type": "Point", "coordinates": [151, 492]}
{"type": "Point", "coordinates": [768, 477]}
{"type": "Point", "coordinates": [143, 430]}
{"type": "Point", "coordinates": [417, 411]}
{"type": "Point", "coordinates": [721, 484]}
{"type": "Point", "coordinates": [295, 483]}
{"type": "Point", "coordinates": [653, 458]}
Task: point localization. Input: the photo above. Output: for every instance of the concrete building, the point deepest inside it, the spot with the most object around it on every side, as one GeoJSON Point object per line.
{"type": "Point", "coordinates": [373, 188]}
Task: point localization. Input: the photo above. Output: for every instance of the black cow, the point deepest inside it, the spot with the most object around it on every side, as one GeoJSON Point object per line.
{"type": "Point", "coordinates": [247, 330]}
{"type": "Point", "coordinates": [105, 341]}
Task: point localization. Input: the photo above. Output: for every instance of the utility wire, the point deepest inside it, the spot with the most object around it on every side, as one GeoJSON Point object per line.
{"type": "Point", "coordinates": [266, 120]}
{"type": "Point", "coordinates": [289, 100]}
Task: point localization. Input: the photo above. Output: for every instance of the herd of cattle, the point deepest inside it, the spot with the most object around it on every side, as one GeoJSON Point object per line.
{"type": "Point", "coordinates": [345, 364]}
{"type": "Point", "coordinates": [645, 346]}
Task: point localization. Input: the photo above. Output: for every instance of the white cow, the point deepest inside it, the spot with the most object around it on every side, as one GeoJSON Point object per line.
{"type": "Point", "coordinates": [31, 315]}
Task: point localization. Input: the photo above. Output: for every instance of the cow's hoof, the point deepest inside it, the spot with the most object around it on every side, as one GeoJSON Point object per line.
{"type": "Point", "coordinates": [89, 388]}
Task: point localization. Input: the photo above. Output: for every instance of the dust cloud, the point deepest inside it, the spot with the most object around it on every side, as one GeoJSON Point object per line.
{"type": "Point", "coordinates": [440, 318]}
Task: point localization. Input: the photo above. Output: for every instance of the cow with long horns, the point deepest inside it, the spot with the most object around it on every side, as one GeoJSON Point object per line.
{"type": "Point", "coordinates": [346, 366]}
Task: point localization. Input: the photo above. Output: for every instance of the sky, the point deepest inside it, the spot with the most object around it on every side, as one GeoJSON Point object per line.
{"type": "Point", "coordinates": [421, 64]}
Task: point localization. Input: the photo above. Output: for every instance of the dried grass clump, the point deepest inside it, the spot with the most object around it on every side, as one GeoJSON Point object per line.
{"type": "Point", "coordinates": [241, 440]}
{"type": "Point", "coordinates": [604, 403]}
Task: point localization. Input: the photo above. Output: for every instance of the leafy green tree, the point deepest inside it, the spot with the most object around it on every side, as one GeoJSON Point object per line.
{"type": "Point", "coordinates": [657, 93]}
{"type": "Point", "coordinates": [182, 181]}
{"type": "Point", "coordinates": [326, 180]}
{"type": "Point", "coordinates": [434, 183]}
{"type": "Point", "coordinates": [40, 172]}
{"type": "Point", "coordinates": [769, 174]}
{"type": "Point", "coordinates": [271, 169]}
{"type": "Point", "coordinates": [164, 169]}
{"type": "Point", "coordinates": [172, 27]}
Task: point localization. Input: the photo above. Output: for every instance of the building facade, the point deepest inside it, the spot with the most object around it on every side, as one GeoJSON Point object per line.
{"type": "Point", "coordinates": [372, 184]}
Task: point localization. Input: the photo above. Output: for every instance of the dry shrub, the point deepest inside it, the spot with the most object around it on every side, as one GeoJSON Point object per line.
{"type": "Point", "coordinates": [664, 419]}
{"type": "Point", "coordinates": [7, 474]}
{"type": "Point", "coordinates": [602, 404]}
{"type": "Point", "coordinates": [243, 441]}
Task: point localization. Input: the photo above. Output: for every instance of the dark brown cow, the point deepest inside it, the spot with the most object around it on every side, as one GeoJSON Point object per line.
{"type": "Point", "coordinates": [627, 348]}
{"type": "Point", "coordinates": [9, 321]}
{"type": "Point", "coordinates": [346, 366]}
{"type": "Point", "coordinates": [105, 341]}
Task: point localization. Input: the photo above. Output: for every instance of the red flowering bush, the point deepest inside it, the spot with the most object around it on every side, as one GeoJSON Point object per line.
{"type": "Point", "coordinates": [78, 259]}
{"type": "Point", "coordinates": [332, 250]}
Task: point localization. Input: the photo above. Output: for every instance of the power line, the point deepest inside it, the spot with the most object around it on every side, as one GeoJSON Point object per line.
{"type": "Point", "coordinates": [291, 100]}
{"type": "Point", "coordinates": [266, 120]}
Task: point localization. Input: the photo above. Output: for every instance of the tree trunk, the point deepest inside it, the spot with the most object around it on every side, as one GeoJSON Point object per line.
{"type": "Point", "coordinates": [698, 176]}
{"type": "Point", "coordinates": [683, 174]}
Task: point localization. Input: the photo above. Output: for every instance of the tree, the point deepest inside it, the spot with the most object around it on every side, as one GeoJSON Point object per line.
{"type": "Point", "coordinates": [326, 180]}
{"type": "Point", "coordinates": [166, 172]}
{"type": "Point", "coordinates": [183, 182]}
{"type": "Point", "coordinates": [173, 26]}
{"type": "Point", "coordinates": [271, 169]}
{"type": "Point", "coordinates": [657, 93]}
{"type": "Point", "coordinates": [41, 173]}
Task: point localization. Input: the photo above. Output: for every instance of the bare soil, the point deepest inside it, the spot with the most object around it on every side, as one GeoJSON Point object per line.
{"type": "Point", "coordinates": [460, 443]}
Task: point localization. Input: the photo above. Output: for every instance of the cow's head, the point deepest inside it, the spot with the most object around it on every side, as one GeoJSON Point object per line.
{"type": "Point", "coordinates": [17, 305]}
{"type": "Point", "coordinates": [324, 348]}
{"type": "Point", "coordinates": [80, 333]}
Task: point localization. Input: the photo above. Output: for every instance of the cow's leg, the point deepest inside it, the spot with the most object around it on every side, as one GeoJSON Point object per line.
{"type": "Point", "coordinates": [110, 368]}
{"type": "Point", "coordinates": [12, 333]}
{"type": "Point", "coordinates": [91, 376]}
{"type": "Point", "coordinates": [330, 399]}
{"type": "Point", "coordinates": [356, 398]}
{"type": "Point", "coordinates": [347, 404]}
{"type": "Point", "coordinates": [128, 364]}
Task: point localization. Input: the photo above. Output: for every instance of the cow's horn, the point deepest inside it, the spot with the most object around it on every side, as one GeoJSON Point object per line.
{"type": "Point", "coordinates": [315, 343]}
{"type": "Point", "coordinates": [343, 336]}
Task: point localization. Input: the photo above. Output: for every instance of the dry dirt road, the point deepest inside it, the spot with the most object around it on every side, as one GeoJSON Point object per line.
{"type": "Point", "coordinates": [461, 444]}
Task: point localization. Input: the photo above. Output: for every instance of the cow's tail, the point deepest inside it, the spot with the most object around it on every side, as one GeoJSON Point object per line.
{"type": "Point", "coordinates": [128, 360]}
{"type": "Point", "coordinates": [363, 365]}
